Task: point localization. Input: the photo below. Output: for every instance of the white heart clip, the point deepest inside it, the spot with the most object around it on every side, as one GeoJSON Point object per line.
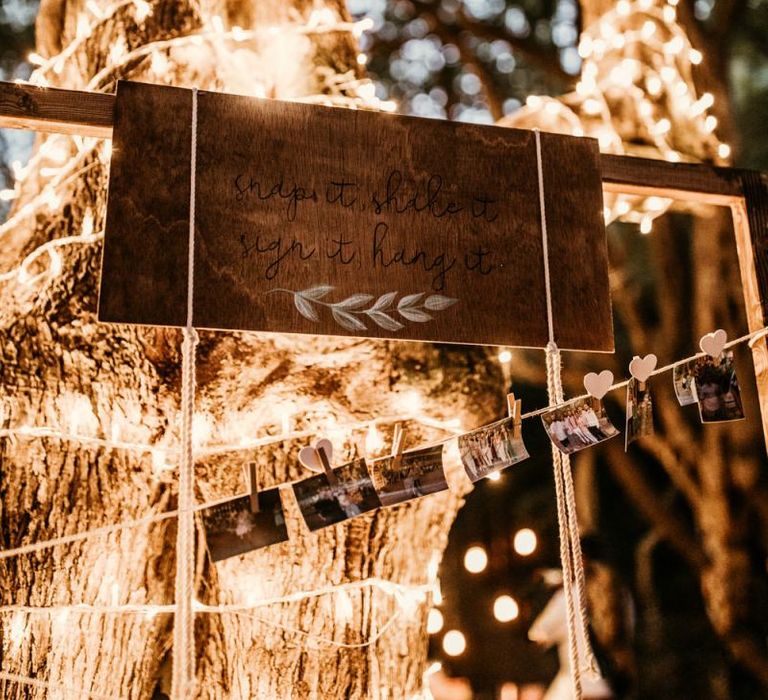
{"type": "Point", "coordinates": [310, 458]}
{"type": "Point", "coordinates": [713, 343]}
{"type": "Point", "coordinates": [598, 384]}
{"type": "Point", "coordinates": [642, 367]}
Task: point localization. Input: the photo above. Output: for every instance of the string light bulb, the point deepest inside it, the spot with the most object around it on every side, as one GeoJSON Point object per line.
{"type": "Point", "coordinates": [505, 608]}
{"type": "Point", "coordinates": [454, 643]}
{"type": "Point", "coordinates": [475, 559]}
{"type": "Point", "coordinates": [525, 542]}
{"type": "Point", "coordinates": [435, 621]}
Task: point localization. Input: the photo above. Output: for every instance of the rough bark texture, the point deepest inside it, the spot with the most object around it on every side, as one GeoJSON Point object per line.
{"type": "Point", "coordinates": [60, 368]}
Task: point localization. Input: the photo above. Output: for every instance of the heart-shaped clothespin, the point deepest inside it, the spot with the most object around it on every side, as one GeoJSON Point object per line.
{"type": "Point", "coordinates": [714, 343]}
{"type": "Point", "coordinates": [597, 385]}
{"type": "Point", "coordinates": [311, 458]}
{"type": "Point", "coordinates": [642, 367]}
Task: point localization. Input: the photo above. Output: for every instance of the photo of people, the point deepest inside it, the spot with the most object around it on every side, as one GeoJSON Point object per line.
{"type": "Point", "coordinates": [718, 389]}
{"type": "Point", "coordinates": [322, 503]}
{"type": "Point", "coordinates": [578, 424]}
{"type": "Point", "coordinates": [684, 383]}
{"type": "Point", "coordinates": [490, 448]}
{"type": "Point", "coordinates": [413, 474]}
{"type": "Point", "coordinates": [639, 411]}
{"type": "Point", "coordinates": [231, 528]}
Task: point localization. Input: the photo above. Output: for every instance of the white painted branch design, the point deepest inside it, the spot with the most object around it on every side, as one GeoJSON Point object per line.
{"type": "Point", "coordinates": [347, 312]}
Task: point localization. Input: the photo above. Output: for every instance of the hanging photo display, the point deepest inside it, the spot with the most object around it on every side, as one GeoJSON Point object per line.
{"type": "Point", "coordinates": [232, 528]}
{"type": "Point", "coordinates": [491, 448]}
{"type": "Point", "coordinates": [323, 503]}
{"type": "Point", "coordinates": [409, 475]}
{"type": "Point", "coordinates": [639, 411]}
{"type": "Point", "coordinates": [684, 381]}
{"type": "Point", "coordinates": [717, 389]}
{"type": "Point", "coordinates": [578, 424]}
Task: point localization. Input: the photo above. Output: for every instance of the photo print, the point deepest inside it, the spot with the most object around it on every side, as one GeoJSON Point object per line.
{"type": "Point", "coordinates": [491, 448]}
{"type": "Point", "coordinates": [231, 528]}
{"type": "Point", "coordinates": [578, 424]}
{"type": "Point", "coordinates": [717, 388]}
{"type": "Point", "coordinates": [639, 411]}
{"type": "Point", "coordinates": [323, 504]}
{"type": "Point", "coordinates": [683, 378]}
{"type": "Point", "coordinates": [411, 475]}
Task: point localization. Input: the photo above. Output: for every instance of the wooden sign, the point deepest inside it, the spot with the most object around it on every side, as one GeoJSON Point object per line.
{"type": "Point", "coordinates": [331, 221]}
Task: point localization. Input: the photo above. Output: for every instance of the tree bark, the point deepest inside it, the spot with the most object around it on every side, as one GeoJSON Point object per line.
{"type": "Point", "coordinates": [61, 368]}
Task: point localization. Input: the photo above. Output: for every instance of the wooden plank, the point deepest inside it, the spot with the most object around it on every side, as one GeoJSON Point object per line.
{"type": "Point", "coordinates": [407, 212]}
{"type": "Point", "coordinates": [58, 111]}
{"type": "Point", "coordinates": [750, 223]}
{"type": "Point", "coordinates": [91, 114]}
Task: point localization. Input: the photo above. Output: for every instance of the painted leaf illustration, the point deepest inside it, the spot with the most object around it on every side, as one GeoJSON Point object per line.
{"type": "Point", "coordinates": [354, 302]}
{"type": "Point", "coordinates": [347, 320]}
{"type": "Point", "coordinates": [409, 300]}
{"type": "Point", "coordinates": [305, 308]}
{"type": "Point", "coordinates": [437, 302]}
{"type": "Point", "coordinates": [384, 301]}
{"type": "Point", "coordinates": [317, 292]}
{"type": "Point", "coordinates": [386, 322]}
{"type": "Point", "coordinates": [414, 315]}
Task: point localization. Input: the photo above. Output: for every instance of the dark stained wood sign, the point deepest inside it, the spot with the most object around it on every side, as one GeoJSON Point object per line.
{"type": "Point", "coordinates": [331, 221]}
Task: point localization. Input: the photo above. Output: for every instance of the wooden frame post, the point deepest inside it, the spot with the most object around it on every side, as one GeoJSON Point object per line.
{"type": "Point", "coordinates": [744, 192]}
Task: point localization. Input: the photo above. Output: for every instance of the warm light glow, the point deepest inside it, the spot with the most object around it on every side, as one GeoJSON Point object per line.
{"type": "Point", "coordinates": [475, 559]}
{"type": "Point", "coordinates": [724, 150]}
{"type": "Point", "coordinates": [525, 542]}
{"type": "Point", "coordinates": [646, 225]}
{"type": "Point", "coordinates": [434, 621]}
{"type": "Point", "coordinates": [505, 608]}
{"type": "Point", "coordinates": [494, 476]}
{"type": "Point", "coordinates": [505, 356]}
{"type": "Point", "coordinates": [454, 643]}
{"type": "Point", "coordinates": [374, 442]}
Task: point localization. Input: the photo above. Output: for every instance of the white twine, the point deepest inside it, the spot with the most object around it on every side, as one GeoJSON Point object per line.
{"type": "Point", "coordinates": [183, 679]}
{"type": "Point", "coordinates": [570, 547]}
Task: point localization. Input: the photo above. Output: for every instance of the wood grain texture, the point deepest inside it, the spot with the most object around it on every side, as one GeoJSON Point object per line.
{"type": "Point", "coordinates": [291, 197]}
{"type": "Point", "coordinates": [58, 111]}
{"type": "Point", "coordinates": [750, 223]}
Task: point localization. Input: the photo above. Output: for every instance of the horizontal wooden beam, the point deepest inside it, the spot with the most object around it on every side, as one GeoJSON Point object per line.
{"type": "Point", "coordinates": [52, 110]}
{"type": "Point", "coordinates": [25, 106]}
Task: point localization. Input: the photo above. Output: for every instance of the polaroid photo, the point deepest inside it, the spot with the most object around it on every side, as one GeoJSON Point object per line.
{"type": "Point", "coordinates": [231, 528]}
{"type": "Point", "coordinates": [491, 448]}
{"type": "Point", "coordinates": [323, 504]}
{"type": "Point", "coordinates": [411, 475]}
{"type": "Point", "coordinates": [578, 424]}
{"type": "Point", "coordinates": [683, 378]}
{"type": "Point", "coordinates": [717, 388]}
{"type": "Point", "coordinates": [639, 411]}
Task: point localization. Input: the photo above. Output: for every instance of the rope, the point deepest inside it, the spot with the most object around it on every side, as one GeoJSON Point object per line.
{"type": "Point", "coordinates": [184, 621]}
{"type": "Point", "coordinates": [574, 587]}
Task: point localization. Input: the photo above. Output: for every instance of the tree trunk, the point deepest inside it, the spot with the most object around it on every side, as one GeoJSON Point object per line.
{"type": "Point", "coordinates": [62, 369]}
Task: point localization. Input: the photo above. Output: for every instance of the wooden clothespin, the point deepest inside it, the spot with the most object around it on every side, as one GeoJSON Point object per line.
{"type": "Point", "coordinates": [323, 457]}
{"type": "Point", "coordinates": [253, 486]}
{"type": "Point", "coordinates": [397, 444]}
{"type": "Point", "coordinates": [515, 411]}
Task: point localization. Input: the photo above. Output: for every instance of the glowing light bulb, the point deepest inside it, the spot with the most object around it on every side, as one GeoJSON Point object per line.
{"type": "Point", "coordinates": [653, 85]}
{"type": "Point", "coordinates": [674, 46]}
{"type": "Point", "coordinates": [622, 8]}
{"type": "Point", "coordinates": [505, 608]}
{"type": "Point", "coordinates": [454, 643]}
{"type": "Point", "coordinates": [344, 608]}
{"type": "Point", "coordinates": [724, 150]}
{"type": "Point", "coordinates": [475, 559]}
{"type": "Point", "coordinates": [505, 356]}
{"type": "Point", "coordinates": [646, 225]}
{"type": "Point", "coordinates": [648, 30]}
{"type": "Point", "coordinates": [87, 227]}
{"type": "Point", "coordinates": [669, 14]}
{"type": "Point", "coordinates": [525, 542]}
{"type": "Point", "coordinates": [362, 59]}
{"type": "Point", "coordinates": [702, 104]}
{"type": "Point", "coordinates": [710, 123]}
{"type": "Point", "coordinates": [35, 59]}
{"type": "Point", "coordinates": [494, 476]}
{"type": "Point", "coordinates": [374, 442]}
{"type": "Point", "coordinates": [83, 30]}
{"type": "Point", "coordinates": [695, 57]}
{"type": "Point", "coordinates": [434, 621]}
{"type": "Point", "coordinates": [18, 629]}
{"type": "Point", "coordinates": [437, 595]}
{"type": "Point", "coordinates": [662, 126]}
